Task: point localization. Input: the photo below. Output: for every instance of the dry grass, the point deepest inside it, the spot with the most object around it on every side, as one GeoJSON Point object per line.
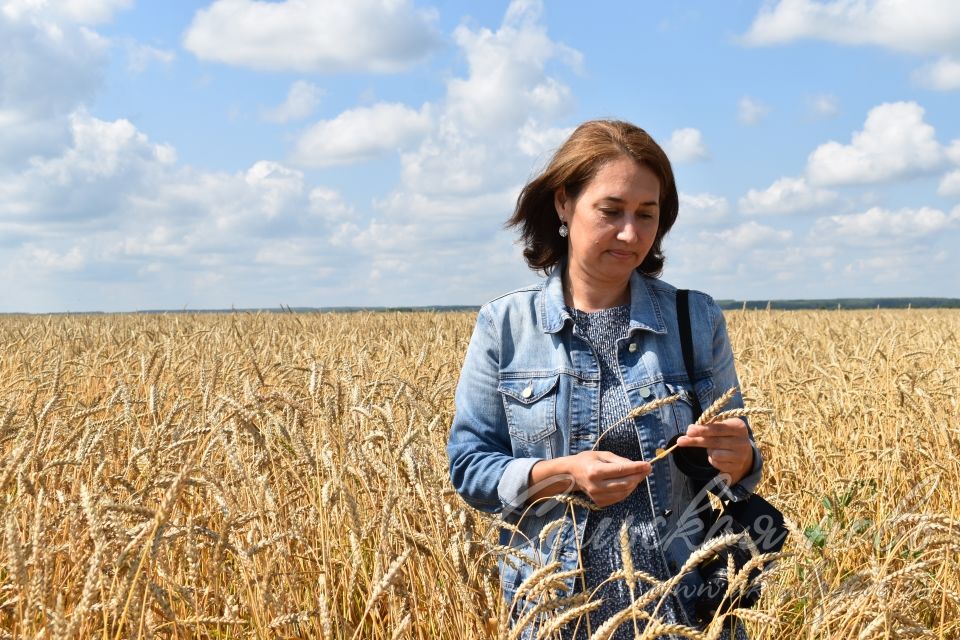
{"type": "Point", "coordinates": [226, 476]}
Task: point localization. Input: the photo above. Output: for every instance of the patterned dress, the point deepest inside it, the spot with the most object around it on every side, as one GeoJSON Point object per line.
{"type": "Point", "coordinates": [601, 541]}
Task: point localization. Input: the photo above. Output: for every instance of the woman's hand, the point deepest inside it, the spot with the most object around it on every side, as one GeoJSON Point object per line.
{"type": "Point", "coordinates": [727, 444]}
{"type": "Point", "coordinates": [605, 477]}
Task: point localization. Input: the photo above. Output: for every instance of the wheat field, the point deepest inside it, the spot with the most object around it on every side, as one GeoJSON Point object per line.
{"type": "Point", "coordinates": [285, 475]}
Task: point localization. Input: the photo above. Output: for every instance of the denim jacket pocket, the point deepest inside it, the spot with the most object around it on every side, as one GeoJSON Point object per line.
{"type": "Point", "coordinates": [682, 409]}
{"type": "Point", "coordinates": [530, 404]}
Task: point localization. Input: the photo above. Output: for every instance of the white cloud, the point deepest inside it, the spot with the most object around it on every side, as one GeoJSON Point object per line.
{"type": "Point", "coordinates": [140, 56]}
{"type": "Point", "coordinates": [878, 225]}
{"type": "Point", "coordinates": [319, 37]}
{"type": "Point", "coordinates": [157, 233]}
{"type": "Point", "coordinates": [919, 26]}
{"type": "Point", "coordinates": [942, 74]}
{"type": "Point", "coordinates": [80, 11]}
{"type": "Point", "coordinates": [953, 152]}
{"type": "Point", "coordinates": [786, 195]}
{"type": "Point", "coordinates": [950, 184]}
{"type": "Point", "coordinates": [276, 184]}
{"type": "Point", "coordinates": [824, 105]}
{"type": "Point", "coordinates": [153, 233]}
{"type": "Point", "coordinates": [302, 99]}
{"type": "Point", "coordinates": [686, 145]}
{"type": "Point", "coordinates": [361, 134]}
{"type": "Point", "coordinates": [329, 204]}
{"type": "Point", "coordinates": [503, 112]}
{"type": "Point", "coordinates": [895, 142]}
{"type": "Point", "coordinates": [495, 125]}
{"type": "Point", "coordinates": [47, 260]}
{"type": "Point", "coordinates": [701, 209]}
{"type": "Point", "coordinates": [86, 183]}
{"type": "Point", "coordinates": [113, 176]}
{"type": "Point", "coordinates": [750, 112]}
{"type": "Point", "coordinates": [48, 69]}
{"type": "Point", "coordinates": [506, 84]}
{"type": "Point", "coordinates": [749, 235]}
{"type": "Point", "coordinates": [538, 141]}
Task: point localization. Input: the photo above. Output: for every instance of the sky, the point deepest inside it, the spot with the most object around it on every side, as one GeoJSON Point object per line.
{"type": "Point", "coordinates": [315, 153]}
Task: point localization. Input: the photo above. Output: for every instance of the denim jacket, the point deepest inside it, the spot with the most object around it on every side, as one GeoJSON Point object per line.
{"type": "Point", "coordinates": [530, 390]}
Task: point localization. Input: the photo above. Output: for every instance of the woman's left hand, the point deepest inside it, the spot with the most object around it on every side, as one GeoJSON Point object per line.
{"type": "Point", "coordinates": [727, 444]}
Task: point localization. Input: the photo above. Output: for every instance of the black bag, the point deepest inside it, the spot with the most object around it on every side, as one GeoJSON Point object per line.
{"type": "Point", "coordinates": [762, 521]}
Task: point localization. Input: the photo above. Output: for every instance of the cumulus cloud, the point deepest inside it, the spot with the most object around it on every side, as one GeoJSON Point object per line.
{"type": "Point", "coordinates": [506, 83]}
{"type": "Point", "coordinates": [879, 225]}
{"type": "Point", "coordinates": [953, 152]}
{"type": "Point", "coordinates": [116, 209]}
{"type": "Point", "coordinates": [750, 111]}
{"type": "Point", "coordinates": [302, 99]}
{"type": "Point", "coordinates": [950, 184]}
{"type": "Point", "coordinates": [493, 127]}
{"type": "Point", "coordinates": [320, 37]}
{"type": "Point", "coordinates": [158, 233]}
{"type": "Point", "coordinates": [329, 204]}
{"type": "Point", "coordinates": [537, 141]}
{"type": "Point", "coordinates": [48, 260]}
{"type": "Point", "coordinates": [749, 235]}
{"type": "Point", "coordinates": [701, 209]}
{"type": "Point", "coordinates": [361, 134]}
{"type": "Point", "coordinates": [942, 74]}
{"type": "Point", "coordinates": [80, 11]}
{"type": "Point", "coordinates": [786, 195]}
{"type": "Point", "coordinates": [505, 110]}
{"type": "Point", "coordinates": [84, 184]}
{"type": "Point", "coordinates": [921, 26]}
{"type": "Point", "coordinates": [895, 142]}
{"type": "Point", "coordinates": [48, 69]}
{"type": "Point", "coordinates": [686, 145]}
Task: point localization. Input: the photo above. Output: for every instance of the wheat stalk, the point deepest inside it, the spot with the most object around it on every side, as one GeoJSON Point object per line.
{"type": "Point", "coordinates": [636, 412]}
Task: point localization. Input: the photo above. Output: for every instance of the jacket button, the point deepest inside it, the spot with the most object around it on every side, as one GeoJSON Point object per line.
{"type": "Point", "coordinates": [633, 347]}
{"type": "Point", "coordinates": [645, 392]}
{"type": "Point", "coordinates": [527, 392]}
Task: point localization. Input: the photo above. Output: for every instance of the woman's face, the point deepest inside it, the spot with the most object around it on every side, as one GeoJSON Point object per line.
{"type": "Point", "coordinates": [613, 223]}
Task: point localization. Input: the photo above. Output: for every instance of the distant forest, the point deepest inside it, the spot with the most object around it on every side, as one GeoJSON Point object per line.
{"type": "Point", "coordinates": [831, 303]}
{"type": "Point", "coordinates": [845, 303]}
{"type": "Point", "coordinates": [790, 305]}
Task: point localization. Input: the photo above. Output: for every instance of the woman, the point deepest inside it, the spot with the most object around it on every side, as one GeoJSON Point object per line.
{"type": "Point", "coordinates": [553, 369]}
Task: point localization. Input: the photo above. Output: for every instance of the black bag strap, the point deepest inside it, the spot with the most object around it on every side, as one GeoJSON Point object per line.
{"type": "Point", "coordinates": [686, 344]}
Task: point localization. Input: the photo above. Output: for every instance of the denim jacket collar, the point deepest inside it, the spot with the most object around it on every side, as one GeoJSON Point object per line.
{"type": "Point", "coordinates": [645, 311]}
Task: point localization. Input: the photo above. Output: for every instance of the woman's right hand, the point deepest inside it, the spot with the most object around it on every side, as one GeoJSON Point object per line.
{"type": "Point", "coordinates": [605, 477]}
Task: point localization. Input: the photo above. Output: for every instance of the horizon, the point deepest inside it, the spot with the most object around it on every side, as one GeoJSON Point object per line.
{"type": "Point", "coordinates": [786, 304]}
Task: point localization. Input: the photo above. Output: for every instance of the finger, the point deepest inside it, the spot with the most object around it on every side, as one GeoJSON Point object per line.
{"type": "Point", "coordinates": [607, 494]}
{"type": "Point", "coordinates": [623, 469]}
{"type": "Point", "coordinates": [714, 442]}
{"type": "Point", "coordinates": [619, 484]}
{"type": "Point", "coordinates": [724, 457]}
{"type": "Point", "coordinates": [718, 429]}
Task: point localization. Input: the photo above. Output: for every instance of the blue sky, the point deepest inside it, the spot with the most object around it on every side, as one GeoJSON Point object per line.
{"type": "Point", "coordinates": [251, 154]}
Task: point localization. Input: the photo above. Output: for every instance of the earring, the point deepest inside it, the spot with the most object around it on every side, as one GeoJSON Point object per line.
{"type": "Point", "coordinates": [563, 231]}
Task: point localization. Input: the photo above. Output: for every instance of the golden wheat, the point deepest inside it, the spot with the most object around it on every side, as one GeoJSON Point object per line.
{"type": "Point", "coordinates": [254, 475]}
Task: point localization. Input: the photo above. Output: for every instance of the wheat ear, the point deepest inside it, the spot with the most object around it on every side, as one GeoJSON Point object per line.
{"type": "Point", "coordinates": [636, 412]}
{"type": "Point", "coordinates": [711, 412]}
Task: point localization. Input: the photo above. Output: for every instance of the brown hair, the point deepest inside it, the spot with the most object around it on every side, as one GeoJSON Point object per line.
{"type": "Point", "coordinates": [575, 163]}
